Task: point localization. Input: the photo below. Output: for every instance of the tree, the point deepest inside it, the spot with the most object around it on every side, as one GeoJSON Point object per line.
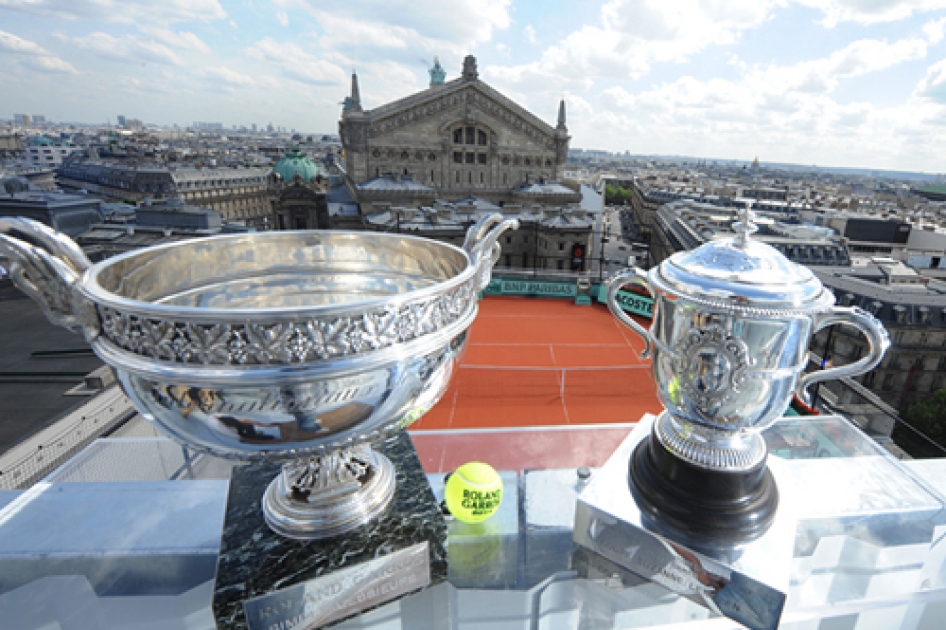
{"type": "Point", "coordinates": [616, 196]}
{"type": "Point", "coordinates": [928, 416]}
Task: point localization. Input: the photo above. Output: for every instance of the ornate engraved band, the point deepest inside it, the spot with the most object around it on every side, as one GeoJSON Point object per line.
{"type": "Point", "coordinates": [730, 450]}
{"type": "Point", "coordinates": [280, 343]}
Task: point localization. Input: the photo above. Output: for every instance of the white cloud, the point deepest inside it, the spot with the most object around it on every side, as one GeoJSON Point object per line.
{"type": "Point", "coordinates": [295, 63]}
{"type": "Point", "coordinates": [230, 77]}
{"type": "Point", "coordinates": [935, 30]}
{"type": "Point", "coordinates": [871, 11]}
{"type": "Point", "coordinates": [127, 49]}
{"type": "Point", "coordinates": [822, 75]}
{"type": "Point", "coordinates": [179, 39]}
{"type": "Point", "coordinates": [233, 24]}
{"type": "Point", "coordinates": [782, 113]}
{"type": "Point", "coordinates": [631, 35]}
{"type": "Point", "coordinates": [282, 17]}
{"type": "Point", "coordinates": [129, 11]}
{"type": "Point", "coordinates": [456, 25]}
{"type": "Point", "coordinates": [33, 55]}
{"type": "Point", "coordinates": [341, 31]}
{"type": "Point", "coordinates": [529, 33]}
{"type": "Point", "coordinates": [933, 85]}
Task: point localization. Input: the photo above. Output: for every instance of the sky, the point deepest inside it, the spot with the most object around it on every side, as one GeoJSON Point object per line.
{"type": "Point", "coordinates": [858, 83]}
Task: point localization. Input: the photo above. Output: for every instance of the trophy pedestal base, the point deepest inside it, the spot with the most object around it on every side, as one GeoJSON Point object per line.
{"type": "Point", "coordinates": [696, 503]}
{"type": "Point", "coordinates": [264, 579]}
{"type": "Point", "coordinates": [746, 582]}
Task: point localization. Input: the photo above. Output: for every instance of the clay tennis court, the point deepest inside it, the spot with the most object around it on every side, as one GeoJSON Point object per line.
{"type": "Point", "coordinates": [545, 362]}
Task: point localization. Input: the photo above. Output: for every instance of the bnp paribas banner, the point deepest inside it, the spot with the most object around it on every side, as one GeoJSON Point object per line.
{"type": "Point", "coordinates": [630, 302]}
{"type": "Point", "coordinates": [546, 288]}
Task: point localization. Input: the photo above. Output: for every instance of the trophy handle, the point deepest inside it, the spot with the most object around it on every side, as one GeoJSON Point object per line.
{"type": "Point", "coordinates": [482, 245]}
{"type": "Point", "coordinates": [46, 265]}
{"type": "Point", "coordinates": [636, 276]}
{"type": "Point", "coordinates": [877, 342]}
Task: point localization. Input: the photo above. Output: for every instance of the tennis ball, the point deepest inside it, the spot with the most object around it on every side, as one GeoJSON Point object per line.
{"type": "Point", "coordinates": [473, 492]}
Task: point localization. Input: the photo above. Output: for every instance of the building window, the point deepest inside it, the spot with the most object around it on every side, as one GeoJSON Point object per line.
{"type": "Point", "coordinates": [469, 177]}
{"type": "Point", "coordinates": [481, 158]}
{"type": "Point", "coordinates": [481, 178]}
{"type": "Point", "coordinates": [888, 382]}
{"type": "Point", "coordinates": [898, 337]}
{"type": "Point", "coordinates": [508, 240]}
{"type": "Point", "coordinates": [457, 157]}
{"type": "Point", "coordinates": [470, 135]}
{"type": "Point", "coordinates": [504, 182]}
{"type": "Point", "coordinates": [471, 158]}
{"type": "Point", "coordinates": [458, 177]}
{"type": "Point", "coordinates": [561, 264]}
{"type": "Point", "coordinates": [561, 247]}
{"type": "Point", "coordinates": [525, 240]}
{"type": "Point", "coordinates": [508, 260]}
{"type": "Point", "coordinates": [458, 136]}
{"type": "Point", "coordinates": [481, 138]}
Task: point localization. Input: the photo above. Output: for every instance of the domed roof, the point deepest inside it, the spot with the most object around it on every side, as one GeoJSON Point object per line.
{"type": "Point", "coordinates": [295, 162]}
{"type": "Point", "coordinates": [41, 141]}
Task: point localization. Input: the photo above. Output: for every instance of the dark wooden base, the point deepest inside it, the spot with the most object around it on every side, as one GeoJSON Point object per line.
{"type": "Point", "coordinates": [702, 505]}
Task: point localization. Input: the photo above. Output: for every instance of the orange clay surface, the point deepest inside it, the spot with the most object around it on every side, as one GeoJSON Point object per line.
{"type": "Point", "coordinates": [534, 362]}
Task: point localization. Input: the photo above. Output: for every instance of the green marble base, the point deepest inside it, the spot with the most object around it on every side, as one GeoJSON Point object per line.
{"type": "Point", "coordinates": [255, 562]}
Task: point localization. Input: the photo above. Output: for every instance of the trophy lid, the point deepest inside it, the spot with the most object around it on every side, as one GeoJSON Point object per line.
{"type": "Point", "coordinates": [740, 272]}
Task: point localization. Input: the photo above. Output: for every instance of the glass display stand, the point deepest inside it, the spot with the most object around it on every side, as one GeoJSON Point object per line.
{"type": "Point", "coordinates": [126, 535]}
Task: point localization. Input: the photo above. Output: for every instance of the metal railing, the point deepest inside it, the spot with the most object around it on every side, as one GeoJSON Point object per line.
{"type": "Point", "coordinates": [848, 398]}
{"type": "Point", "coordinates": [31, 460]}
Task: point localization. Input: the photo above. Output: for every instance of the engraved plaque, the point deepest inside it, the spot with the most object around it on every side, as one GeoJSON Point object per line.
{"type": "Point", "coordinates": [342, 593]}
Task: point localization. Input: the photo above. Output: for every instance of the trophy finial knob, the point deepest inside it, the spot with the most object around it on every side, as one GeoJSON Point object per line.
{"type": "Point", "coordinates": [744, 227]}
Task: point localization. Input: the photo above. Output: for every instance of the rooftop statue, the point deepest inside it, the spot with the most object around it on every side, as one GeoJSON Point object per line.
{"type": "Point", "coordinates": [437, 74]}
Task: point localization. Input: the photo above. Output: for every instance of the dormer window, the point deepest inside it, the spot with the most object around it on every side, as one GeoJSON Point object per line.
{"type": "Point", "coordinates": [900, 312]}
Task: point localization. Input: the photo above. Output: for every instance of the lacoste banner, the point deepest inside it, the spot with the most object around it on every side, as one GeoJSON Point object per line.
{"type": "Point", "coordinates": [630, 302]}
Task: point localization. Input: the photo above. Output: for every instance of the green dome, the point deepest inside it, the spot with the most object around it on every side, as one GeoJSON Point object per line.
{"type": "Point", "coordinates": [295, 162]}
{"type": "Point", "coordinates": [42, 141]}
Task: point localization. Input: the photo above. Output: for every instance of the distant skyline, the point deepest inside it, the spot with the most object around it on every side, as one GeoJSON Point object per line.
{"type": "Point", "coordinates": [855, 83]}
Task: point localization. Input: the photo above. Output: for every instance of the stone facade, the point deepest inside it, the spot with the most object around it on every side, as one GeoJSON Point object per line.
{"type": "Point", "coordinates": [299, 205]}
{"type": "Point", "coordinates": [236, 193]}
{"type": "Point", "coordinates": [460, 138]}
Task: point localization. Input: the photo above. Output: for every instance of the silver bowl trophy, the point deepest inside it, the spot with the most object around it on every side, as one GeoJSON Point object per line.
{"type": "Point", "coordinates": [688, 499]}
{"type": "Point", "coordinates": [305, 348]}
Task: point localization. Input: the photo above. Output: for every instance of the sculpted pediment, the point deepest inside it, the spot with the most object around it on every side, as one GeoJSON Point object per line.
{"type": "Point", "coordinates": [470, 104]}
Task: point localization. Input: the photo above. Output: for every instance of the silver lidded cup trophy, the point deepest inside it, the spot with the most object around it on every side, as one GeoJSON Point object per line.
{"type": "Point", "coordinates": [303, 347]}
{"type": "Point", "coordinates": [731, 327]}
